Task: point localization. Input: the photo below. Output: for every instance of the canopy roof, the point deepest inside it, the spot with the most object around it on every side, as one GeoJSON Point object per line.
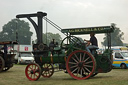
{"type": "Point", "coordinates": [88, 30]}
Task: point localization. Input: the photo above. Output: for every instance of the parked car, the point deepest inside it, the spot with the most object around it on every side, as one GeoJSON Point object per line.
{"type": "Point", "coordinates": [120, 58]}
{"type": "Point", "coordinates": [23, 54]}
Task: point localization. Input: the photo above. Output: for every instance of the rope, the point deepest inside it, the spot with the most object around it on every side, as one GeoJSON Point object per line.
{"type": "Point", "coordinates": [46, 30]}
{"type": "Point", "coordinates": [53, 24]}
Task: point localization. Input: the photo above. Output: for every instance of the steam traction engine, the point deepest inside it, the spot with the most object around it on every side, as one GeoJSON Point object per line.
{"type": "Point", "coordinates": [6, 59]}
{"type": "Point", "coordinates": [70, 55]}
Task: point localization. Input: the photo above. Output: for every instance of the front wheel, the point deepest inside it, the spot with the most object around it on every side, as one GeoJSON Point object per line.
{"type": "Point", "coordinates": [33, 71]}
{"type": "Point", "coordinates": [80, 64]}
{"type": "Point", "coordinates": [123, 66]}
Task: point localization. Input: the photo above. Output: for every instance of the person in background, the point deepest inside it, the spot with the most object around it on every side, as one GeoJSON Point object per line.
{"type": "Point", "coordinates": [52, 45]}
{"type": "Point", "coordinates": [5, 49]}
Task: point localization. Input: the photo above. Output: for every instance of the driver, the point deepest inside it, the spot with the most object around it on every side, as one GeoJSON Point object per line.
{"type": "Point", "coordinates": [92, 43]}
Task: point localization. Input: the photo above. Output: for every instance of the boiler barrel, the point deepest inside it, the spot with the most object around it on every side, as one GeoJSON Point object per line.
{"type": "Point", "coordinates": [61, 58]}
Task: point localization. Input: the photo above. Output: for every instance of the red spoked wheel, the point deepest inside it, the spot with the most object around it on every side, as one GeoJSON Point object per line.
{"type": "Point", "coordinates": [47, 70]}
{"type": "Point", "coordinates": [33, 71]}
{"type": "Point", "coordinates": [80, 64]}
{"type": "Point", "coordinates": [2, 63]}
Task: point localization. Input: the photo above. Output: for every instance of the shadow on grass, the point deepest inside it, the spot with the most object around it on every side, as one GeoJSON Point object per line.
{"type": "Point", "coordinates": [72, 79]}
{"type": "Point", "coordinates": [9, 71]}
{"type": "Point", "coordinates": [118, 68]}
{"type": "Point", "coordinates": [99, 77]}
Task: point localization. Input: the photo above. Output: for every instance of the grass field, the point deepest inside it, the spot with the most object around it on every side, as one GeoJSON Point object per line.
{"type": "Point", "coordinates": [16, 76]}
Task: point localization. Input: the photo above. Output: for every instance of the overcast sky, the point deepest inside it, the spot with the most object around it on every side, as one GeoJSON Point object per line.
{"type": "Point", "coordinates": [70, 13]}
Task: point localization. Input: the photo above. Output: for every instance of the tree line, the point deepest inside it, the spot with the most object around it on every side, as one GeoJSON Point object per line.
{"type": "Point", "coordinates": [19, 30]}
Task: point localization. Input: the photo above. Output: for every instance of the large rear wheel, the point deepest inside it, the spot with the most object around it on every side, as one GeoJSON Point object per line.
{"type": "Point", "coordinates": [2, 63]}
{"type": "Point", "coordinates": [80, 64]}
{"type": "Point", "coordinates": [33, 71]}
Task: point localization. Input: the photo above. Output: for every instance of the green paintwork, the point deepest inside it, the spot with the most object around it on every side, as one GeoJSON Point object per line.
{"type": "Point", "coordinates": [55, 58]}
{"type": "Point", "coordinates": [103, 62]}
{"type": "Point", "coordinates": [88, 30]}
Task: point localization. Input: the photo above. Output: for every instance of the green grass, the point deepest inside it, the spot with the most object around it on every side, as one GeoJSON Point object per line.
{"type": "Point", "coordinates": [16, 76]}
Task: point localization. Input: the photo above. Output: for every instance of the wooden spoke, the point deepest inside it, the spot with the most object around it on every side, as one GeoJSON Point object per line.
{"type": "Point", "coordinates": [88, 66]}
{"type": "Point", "coordinates": [74, 70]}
{"type": "Point", "coordinates": [86, 59]}
{"type": "Point", "coordinates": [76, 57]}
{"type": "Point", "coordinates": [87, 69]}
{"type": "Point", "coordinates": [73, 66]}
{"type": "Point", "coordinates": [88, 62]}
{"type": "Point", "coordinates": [72, 63]}
{"type": "Point", "coordinates": [75, 60]}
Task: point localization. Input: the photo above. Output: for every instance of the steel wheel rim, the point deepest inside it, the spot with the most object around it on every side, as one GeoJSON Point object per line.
{"type": "Point", "coordinates": [80, 64]}
{"type": "Point", "coordinates": [33, 71]}
{"type": "Point", "coordinates": [48, 70]}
